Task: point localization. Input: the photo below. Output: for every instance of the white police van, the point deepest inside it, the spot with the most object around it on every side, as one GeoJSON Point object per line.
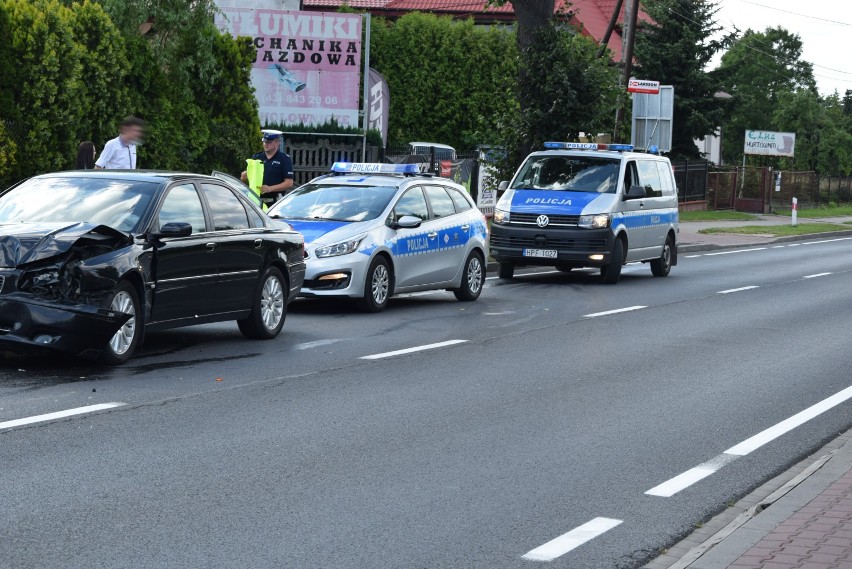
{"type": "Point", "coordinates": [374, 230]}
{"type": "Point", "coordinates": [587, 205]}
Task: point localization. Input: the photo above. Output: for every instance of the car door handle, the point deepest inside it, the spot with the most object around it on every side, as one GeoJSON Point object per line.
{"type": "Point", "coordinates": [432, 235]}
{"type": "Point", "coordinates": [258, 243]}
{"type": "Point", "coordinates": [641, 204]}
{"type": "Point", "coordinates": [211, 247]}
{"type": "Point", "coordinates": [465, 227]}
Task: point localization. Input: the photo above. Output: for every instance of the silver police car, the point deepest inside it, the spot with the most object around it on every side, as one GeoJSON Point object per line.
{"type": "Point", "coordinates": [375, 230]}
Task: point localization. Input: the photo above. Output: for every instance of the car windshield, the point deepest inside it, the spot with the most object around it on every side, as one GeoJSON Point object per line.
{"type": "Point", "coordinates": [569, 173]}
{"type": "Point", "coordinates": [336, 203]}
{"type": "Point", "coordinates": [119, 204]}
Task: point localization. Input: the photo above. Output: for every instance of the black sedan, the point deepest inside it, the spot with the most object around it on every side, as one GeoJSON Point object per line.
{"type": "Point", "coordinates": [90, 261]}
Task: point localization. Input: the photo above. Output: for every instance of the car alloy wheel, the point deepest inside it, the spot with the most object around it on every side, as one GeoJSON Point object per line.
{"type": "Point", "coordinates": [123, 338]}
{"type": "Point", "coordinates": [380, 284]}
{"type": "Point", "coordinates": [272, 302]}
{"type": "Point", "coordinates": [474, 275]}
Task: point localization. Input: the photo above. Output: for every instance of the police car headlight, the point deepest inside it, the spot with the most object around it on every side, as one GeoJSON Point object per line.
{"type": "Point", "coordinates": [598, 221]}
{"type": "Point", "coordinates": [337, 249]}
{"type": "Point", "coordinates": [501, 217]}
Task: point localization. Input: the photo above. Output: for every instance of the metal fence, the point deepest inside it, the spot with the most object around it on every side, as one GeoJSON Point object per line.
{"type": "Point", "coordinates": [757, 189]}
{"type": "Point", "coordinates": [16, 134]}
{"type": "Point", "coordinates": [312, 159]}
{"type": "Point", "coordinates": [691, 179]}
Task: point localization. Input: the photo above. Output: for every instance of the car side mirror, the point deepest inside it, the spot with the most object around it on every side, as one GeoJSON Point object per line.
{"type": "Point", "coordinates": [504, 185]}
{"type": "Point", "coordinates": [635, 193]}
{"type": "Point", "coordinates": [408, 222]}
{"type": "Point", "coordinates": [174, 229]}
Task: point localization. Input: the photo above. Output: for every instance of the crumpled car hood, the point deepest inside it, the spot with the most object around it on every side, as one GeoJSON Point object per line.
{"type": "Point", "coordinates": [25, 243]}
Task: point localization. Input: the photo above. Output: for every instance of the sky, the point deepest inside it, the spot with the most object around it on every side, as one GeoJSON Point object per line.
{"type": "Point", "coordinates": [825, 44]}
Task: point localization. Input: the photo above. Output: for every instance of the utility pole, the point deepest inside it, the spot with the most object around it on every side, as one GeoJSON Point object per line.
{"type": "Point", "coordinates": [631, 15]}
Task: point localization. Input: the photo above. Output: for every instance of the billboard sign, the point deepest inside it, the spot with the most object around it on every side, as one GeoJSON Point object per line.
{"type": "Point", "coordinates": [653, 119]}
{"type": "Point", "coordinates": [643, 86]}
{"type": "Point", "coordinates": [308, 64]}
{"type": "Point", "coordinates": [768, 143]}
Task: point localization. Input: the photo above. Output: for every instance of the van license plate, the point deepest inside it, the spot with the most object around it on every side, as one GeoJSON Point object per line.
{"type": "Point", "coordinates": [546, 253]}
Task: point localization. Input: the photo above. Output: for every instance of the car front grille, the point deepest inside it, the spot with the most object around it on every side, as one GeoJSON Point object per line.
{"type": "Point", "coordinates": [562, 244]}
{"type": "Point", "coordinates": [532, 219]}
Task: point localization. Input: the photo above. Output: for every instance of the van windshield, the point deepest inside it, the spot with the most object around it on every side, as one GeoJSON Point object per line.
{"type": "Point", "coordinates": [569, 174]}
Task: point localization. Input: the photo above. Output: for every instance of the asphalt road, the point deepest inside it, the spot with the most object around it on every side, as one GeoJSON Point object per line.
{"type": "Point", "coordinates": [540, 420]}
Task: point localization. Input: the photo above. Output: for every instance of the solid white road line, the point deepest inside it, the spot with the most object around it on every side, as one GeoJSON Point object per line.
{"type": "Point", "coordinates": [571, 540]}
{"type": "Point", "coordinates": [529, 274]}
{"type": "Point", "coordinates": [788, 425]}
{"type": "Point", "coordinates": [735, 251]}
{"type": "Point", "coordinates": [59, 415]}
{"type": "Point", "coordinates": [826, 241]}
{"type": "Point", "coordinates": [691, 256]}
{"type": "Point", "coordinates": [730, 290]}
{"type": "Point", "coordinates": [616, 311]}
{"type": "Point", "coordinates": [412, 350]}
{"type": "Point", "coordinates": [816, 275]}
{"type": "Point", "coordinates": [674, 485]}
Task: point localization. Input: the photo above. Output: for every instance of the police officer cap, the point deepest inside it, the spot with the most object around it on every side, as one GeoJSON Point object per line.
{"type": "Point", "coordinates": [271, 134]}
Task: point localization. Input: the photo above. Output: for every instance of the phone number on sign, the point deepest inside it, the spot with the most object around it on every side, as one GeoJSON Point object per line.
{"type": "Point", "coordinates": [279, 98]}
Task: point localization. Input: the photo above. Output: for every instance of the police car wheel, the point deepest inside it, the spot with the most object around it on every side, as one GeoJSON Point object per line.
{"type": "Point", "coordinates": [662, 266]}
{"type": "Point", "coordinates": [377, 288]}
{"type": "Point", "coordinates": [505, 270]}
{"type": "Point", "coordinates": [121, 346]}
{"type": "Point", "coordinates": [611, 273]}
{"type": "Point", "coordinates": [473, 278]}
{"type": "Point", "coordinates": [269, 309]}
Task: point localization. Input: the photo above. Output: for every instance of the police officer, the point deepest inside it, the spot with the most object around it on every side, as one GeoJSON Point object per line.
{"type": "Point", "coordinates": [277, 168]}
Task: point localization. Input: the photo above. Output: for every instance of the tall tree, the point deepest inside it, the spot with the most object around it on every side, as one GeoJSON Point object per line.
{"type": "Point", "coordinates": [675, 49]}
{"type": "Point", "coordinates": [759, 68]}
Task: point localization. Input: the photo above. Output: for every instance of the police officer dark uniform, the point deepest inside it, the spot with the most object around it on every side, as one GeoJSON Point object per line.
{"type": "Point", "coordinates": [277, 168]}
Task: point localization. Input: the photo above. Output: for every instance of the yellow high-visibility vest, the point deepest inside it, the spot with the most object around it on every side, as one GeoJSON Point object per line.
{"type": "Point", "coordinates": [254, 173]}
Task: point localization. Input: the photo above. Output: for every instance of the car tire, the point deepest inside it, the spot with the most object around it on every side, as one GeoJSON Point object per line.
{"type": "Point", "coordinates": [377, 286]}
{"type": "Point", "coordinates": [473, 279]}
{"type": "Point", "coordinates": [612, 272]}
{"type": "Point", "coordinates": [123, 344]}
{"type": "Point", "coordinates": [662, 267]}
{"type": "Point", "coordinates": [505, 270]}
{"type": "Point", "coordinates": [564, 268]}
{"type": "Point", "coordinates": [269, 307]}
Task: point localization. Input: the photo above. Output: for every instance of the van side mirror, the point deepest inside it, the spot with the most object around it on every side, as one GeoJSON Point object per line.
{"type": "Point", "coordinates": [635, 193]}
{"type": "Point", "coordinates": [504, 185]}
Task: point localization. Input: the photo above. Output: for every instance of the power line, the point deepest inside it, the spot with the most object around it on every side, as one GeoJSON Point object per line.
{"type": "Point", "coordinates": [799, 14]}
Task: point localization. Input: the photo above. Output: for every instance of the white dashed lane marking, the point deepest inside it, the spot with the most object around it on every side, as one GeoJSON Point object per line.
{"type": "Point", "coordinates": [572, 540]}
{"type": "Point", "coordinates": [686, 479]}
{"type": "Point", "coordinates": [735, 251]}
{"type": "Point", "coordinates": [742, 288]}
{"type": "Point", "coordinates": [413, 350]}
{"type": "Point", "coordinates": [616, 311]}
{"type": "Point", "coordinates": [816, 275]}
{"type": "Point", "coordinates": [59, 415]}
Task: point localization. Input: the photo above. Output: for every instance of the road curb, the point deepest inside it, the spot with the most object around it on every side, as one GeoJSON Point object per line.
{"type": "Point", "coordinates": [725, 539]}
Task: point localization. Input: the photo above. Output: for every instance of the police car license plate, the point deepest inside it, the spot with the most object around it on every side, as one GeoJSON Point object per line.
{"type": "Point", "coordinates": [546, 253]}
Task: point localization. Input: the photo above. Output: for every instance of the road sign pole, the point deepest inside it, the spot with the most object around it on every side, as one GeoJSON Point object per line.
{"type": "Point", "coordinates": [795, 210]}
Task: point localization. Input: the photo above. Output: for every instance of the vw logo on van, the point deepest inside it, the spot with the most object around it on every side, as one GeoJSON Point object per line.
{"type": "Point", "coordinates": [542, 221]}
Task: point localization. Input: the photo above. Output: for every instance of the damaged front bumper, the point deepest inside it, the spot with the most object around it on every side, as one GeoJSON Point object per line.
{"type": "Point", "coordinates": [76, 329]}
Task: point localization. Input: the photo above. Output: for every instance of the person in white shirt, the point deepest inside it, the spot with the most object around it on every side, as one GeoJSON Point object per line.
{"type": "Point", "coordinates": [120, 152]}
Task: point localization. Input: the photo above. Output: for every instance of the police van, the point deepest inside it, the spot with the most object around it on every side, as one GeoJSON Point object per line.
{"type": "Point", "coordinates": [587, 205]}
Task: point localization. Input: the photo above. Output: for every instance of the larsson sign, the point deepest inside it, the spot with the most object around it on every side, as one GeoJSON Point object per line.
{"type": "Point", "coordinates": [308, 64]}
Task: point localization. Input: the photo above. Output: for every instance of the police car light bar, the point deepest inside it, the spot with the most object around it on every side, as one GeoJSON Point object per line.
{"type": "Point", "coordinates": [365, 168]}
{"type": "Point", "coordinates": [588, 146]}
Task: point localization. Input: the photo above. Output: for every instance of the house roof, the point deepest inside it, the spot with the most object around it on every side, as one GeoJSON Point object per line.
{"type": "Point", "coordinates": [591, 16]}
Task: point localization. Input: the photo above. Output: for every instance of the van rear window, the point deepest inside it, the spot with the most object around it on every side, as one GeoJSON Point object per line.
{"type": "Point", "coordinates": [569, 174]}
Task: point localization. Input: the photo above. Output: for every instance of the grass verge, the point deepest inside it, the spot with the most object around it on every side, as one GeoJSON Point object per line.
{"type": "Point", "coordinates": [779, 230]}
{"type": "Point", "coordinates": [711, 215]}
{"type": "Point", "coordinates": [828, 211]}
